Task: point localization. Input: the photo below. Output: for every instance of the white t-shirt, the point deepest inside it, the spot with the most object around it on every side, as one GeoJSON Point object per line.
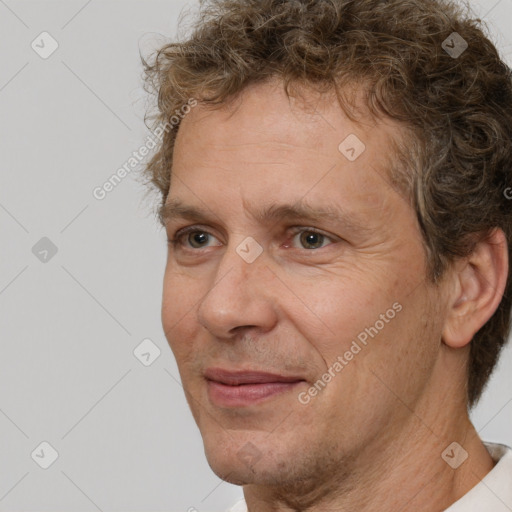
{"type": "Point", "coordinates": [492, 494]}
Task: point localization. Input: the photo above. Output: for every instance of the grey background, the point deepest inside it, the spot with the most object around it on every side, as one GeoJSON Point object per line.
{"type": "Point", "coordinates": [68, 376]}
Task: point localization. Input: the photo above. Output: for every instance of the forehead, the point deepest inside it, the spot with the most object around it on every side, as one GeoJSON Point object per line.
{"type": "Point", "coordinates": [264, 113]}
{"type": "Point", "coordinates": [268, 143]}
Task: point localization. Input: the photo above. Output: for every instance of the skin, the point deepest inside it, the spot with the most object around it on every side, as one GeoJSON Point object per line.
{"type": "Point", "coordinates": [384, 420]}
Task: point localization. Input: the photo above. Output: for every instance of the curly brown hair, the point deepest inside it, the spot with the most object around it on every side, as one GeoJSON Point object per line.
{"type": "Point", "coordinates": [453, 163]}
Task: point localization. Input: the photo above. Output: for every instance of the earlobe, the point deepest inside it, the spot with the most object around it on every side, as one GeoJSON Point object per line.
{"type": "Point", "coordinates": [480, 282]}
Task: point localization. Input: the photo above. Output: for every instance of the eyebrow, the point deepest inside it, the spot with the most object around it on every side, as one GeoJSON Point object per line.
{"type": "Point", "coordinates": [176, 209]}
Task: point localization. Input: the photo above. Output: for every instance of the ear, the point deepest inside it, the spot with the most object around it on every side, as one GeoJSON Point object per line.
{"type": "Point", "coordinates": [479, 284]}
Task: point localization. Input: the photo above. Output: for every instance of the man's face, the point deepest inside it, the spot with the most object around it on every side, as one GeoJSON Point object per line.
{"type": "Point", "coordinates": [298, 306]}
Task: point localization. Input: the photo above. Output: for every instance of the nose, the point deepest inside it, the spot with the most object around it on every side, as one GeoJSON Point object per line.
{"type": "Point", "coordinates": [240, 297]}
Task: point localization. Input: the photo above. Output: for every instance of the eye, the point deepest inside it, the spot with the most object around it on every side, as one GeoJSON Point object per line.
{"type": "Point", "coordinates": [192, 237]}
{"type": "Point", "coordinates": [311, 239]}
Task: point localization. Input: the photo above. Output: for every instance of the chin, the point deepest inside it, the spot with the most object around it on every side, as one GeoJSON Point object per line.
{"type": "Point", "coordinates": [231, 469]}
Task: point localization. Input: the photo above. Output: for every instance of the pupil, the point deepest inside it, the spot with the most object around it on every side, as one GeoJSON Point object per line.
{"type": "Point", "coordinates": [312, 239]}
{"type": "Point", "coordinates": [198, 238]}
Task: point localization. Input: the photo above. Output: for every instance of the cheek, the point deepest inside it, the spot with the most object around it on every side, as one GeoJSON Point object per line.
{"type": "Point", "coordinates": [401, 358]}
{"type": "Point", "coordinates": [371, 323]}
{"type": "Point", "coordinates": [337, 310]}
{"type": "Point", "coordinates": [178, 299]}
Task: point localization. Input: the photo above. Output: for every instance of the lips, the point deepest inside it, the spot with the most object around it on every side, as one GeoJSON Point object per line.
{"type": "Point", "coordinates": [245, 388]}
{"type": "Point", "coordinates": [238, 378]}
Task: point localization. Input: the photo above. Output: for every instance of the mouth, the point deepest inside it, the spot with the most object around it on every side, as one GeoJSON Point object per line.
{"type": "Point", "coordinates": [242, 388]}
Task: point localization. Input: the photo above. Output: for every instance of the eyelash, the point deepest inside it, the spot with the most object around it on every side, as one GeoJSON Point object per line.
{"type": "Point", "coordinates": [191, 229]}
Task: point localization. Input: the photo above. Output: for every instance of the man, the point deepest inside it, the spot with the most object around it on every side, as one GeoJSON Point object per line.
{"type": "Point", "coordinates": [337, 289]}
